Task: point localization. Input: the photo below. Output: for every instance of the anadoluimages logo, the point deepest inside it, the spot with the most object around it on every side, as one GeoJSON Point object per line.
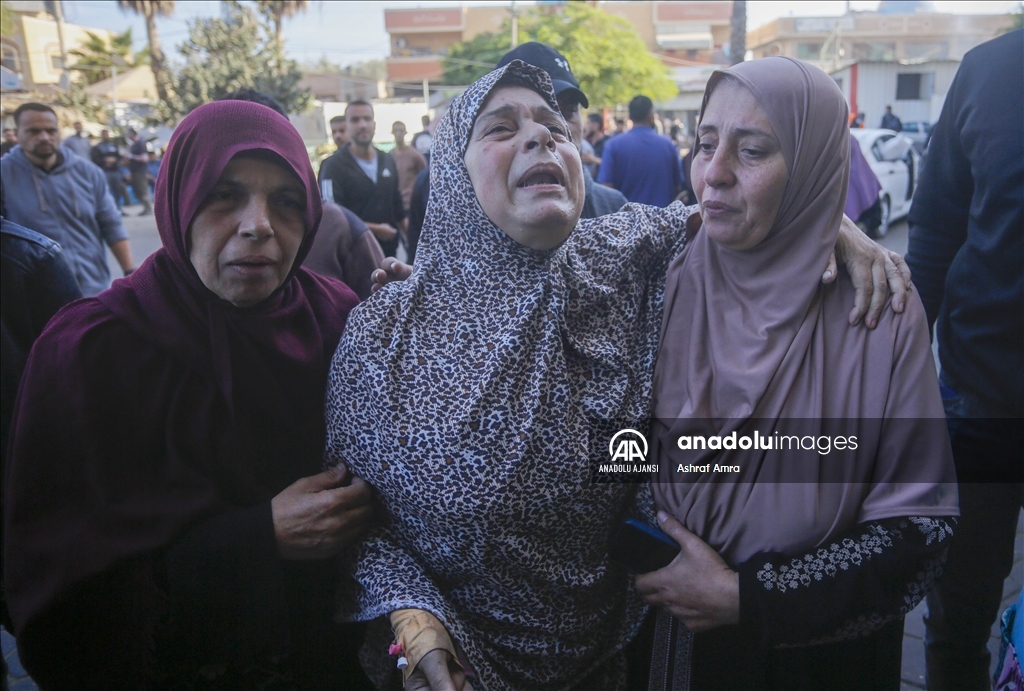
{"type": "Point", "coordinates": [628, 446]}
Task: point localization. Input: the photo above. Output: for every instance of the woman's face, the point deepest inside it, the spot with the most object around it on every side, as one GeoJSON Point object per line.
{"type": "Point", "coordinates": [247, 232]}
{"type": "Point", "coordinates": [738, 170]}
{"type": "Point", "coordinates": [526, 172]}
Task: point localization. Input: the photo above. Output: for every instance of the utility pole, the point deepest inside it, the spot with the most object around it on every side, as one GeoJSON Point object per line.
{"type": "Point", "coordinates": [58, 14]}
{"type": "Point", "coordinates": [515, 24]}
{"type": "Point", "coordinates": [115, 62]}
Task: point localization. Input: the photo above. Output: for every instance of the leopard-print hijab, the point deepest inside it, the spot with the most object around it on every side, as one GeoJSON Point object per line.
{"type": "Point", "coordinates": [467, 396]}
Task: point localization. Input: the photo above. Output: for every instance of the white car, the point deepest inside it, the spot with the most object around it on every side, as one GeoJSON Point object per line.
{"type": "Point", "coordinates": [896, 165]}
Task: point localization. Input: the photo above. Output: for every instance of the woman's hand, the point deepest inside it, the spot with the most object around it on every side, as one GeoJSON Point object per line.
{"type": "Point", "coordinates": [318, 516]}
{"type": "Point", "coordinates": [698, 587]}
{"type": "Point", "coordinates": [437, 671]}
{"type": "Point", "coordinates": [874, 270]}
{"type": "Point", "coordinates": [390, 270]}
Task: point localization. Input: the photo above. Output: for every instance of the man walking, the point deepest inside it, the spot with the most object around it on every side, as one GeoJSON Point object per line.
{"type": "Point", "coordinates": [966, 253]}
{"type": "Point", "coordinates": [138, 164]}
{"type": "Point", "coordinates": [106, 155]}
{"type": "Point", "coordinates": [890, 121]}
{"type": "Point", "coordinates": [409, 162]}
{"type": "Point", "coordinates": [596, 137]}
{"type": "Point", "coordinates": [64, 197]}
{"type": "Point", "coordinates": [641, 163]}
{"type": "Point", "coordinates": [79, 142]}
{"type": "Point", "coordinates": [365, 179]}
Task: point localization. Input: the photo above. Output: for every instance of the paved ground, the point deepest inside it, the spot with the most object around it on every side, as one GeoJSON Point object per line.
{"type": "Point", "coordinates": [144, 240]}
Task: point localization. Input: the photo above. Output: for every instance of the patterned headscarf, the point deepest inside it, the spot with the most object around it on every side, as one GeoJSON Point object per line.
{"type": "Point", "coordinates": [466, 395]}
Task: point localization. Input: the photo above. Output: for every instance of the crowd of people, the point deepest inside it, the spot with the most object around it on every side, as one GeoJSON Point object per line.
{"type": "Point", "coordinates": [273, 456]}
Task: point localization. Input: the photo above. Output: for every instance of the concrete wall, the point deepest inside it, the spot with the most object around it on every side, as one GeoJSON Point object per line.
{"type": "Point", "coordinates": [876, 88]}
{"type": "Point", "coordinates": [38, 46]}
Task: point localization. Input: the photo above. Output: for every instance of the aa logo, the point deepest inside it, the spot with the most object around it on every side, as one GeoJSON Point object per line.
{"type": "Point", "coordinates": [628, 446]}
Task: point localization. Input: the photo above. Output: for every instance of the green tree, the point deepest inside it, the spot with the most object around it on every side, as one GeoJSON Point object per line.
{"type": "Point", "coordinates": [469, 60]}
{"type": "Point", "coordinates": [1017, 19]}
{"type": "Point", "coordinates": [150, 10]}
{"type": "Point", "coordinates": [94, 56]}
{"type": "Point", "coordinates": [89, 107]}
{"type": "Point", "coordinates": [8, 27]}
{"type": "Point", "coordinates": [223, 54]}
{"type": "Point", "coordinates": [279, 10]}
{"type": "Point", "coordinates": [606, 53]}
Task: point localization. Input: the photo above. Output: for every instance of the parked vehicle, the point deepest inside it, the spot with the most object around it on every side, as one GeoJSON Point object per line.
{"type": "Point", "coordinates": [897, 166]}
{"type": "Point", "coordinates": [918, 133]}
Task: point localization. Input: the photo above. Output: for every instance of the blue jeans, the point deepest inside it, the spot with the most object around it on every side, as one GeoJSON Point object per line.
{"type": "Point", "coordinates": [965, 601]}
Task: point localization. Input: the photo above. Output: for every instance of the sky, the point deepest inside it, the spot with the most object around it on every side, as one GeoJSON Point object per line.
{"type": "Point", "coordinates": [350, 32]}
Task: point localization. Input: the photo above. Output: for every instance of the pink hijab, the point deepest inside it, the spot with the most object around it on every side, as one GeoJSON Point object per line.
{"type": "Point", "coordinates": [751, 339]}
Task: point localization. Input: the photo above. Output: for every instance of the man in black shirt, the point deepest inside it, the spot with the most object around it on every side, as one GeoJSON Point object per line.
{"type": "Point", "coordinates": [364, 179]}
{"type": "Point", "coordinates": [106, 155]}
{"type": "Point", "coordinates": [966, 252]}
{"type": "Point", "coordinates": [139, 167]}
{"type": "Point", "coordinates": [890, 121]}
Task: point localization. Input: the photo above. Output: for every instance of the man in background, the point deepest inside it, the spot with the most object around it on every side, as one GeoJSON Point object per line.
{"type": "Point", "coordinates": [10, 141]}
{"type": "Point", "coordinates": [890, 121]}
{"type": "Point", "coordinates": [107, 156]}
{"type": "Point", "coordinates": [424, 139]}
{"type": "Point", "coordinates": [138, 165]}
{"type": "Point", "coordinates": [641, 163]}
{"type": "Point", "coordinates": [409, 162]}
{"type": "Point", "coordinates": [64, 197]}
{"type": "Point", "coordinates": [365, 179]}
{"type": "Point", "coordinates": [79, 142]}
{"type": "Point", "coordinates": [338, 133]}
{"type": "Point", "coordinates": [595, 135]}
{"type": "Point", "coordinates": [966, 252]}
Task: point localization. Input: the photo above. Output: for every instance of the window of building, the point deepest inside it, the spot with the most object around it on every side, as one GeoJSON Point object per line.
{"type": "Point", "coordinates": [915, 86]}
{"type": "Point", "coordinates": [874, 51]}
{"type": "Point", "coordinates": [56, 62]}
{"type": "Point", "coordinates": [808, 51]}
{"type": "Point", "coordinates": [936, 50]}
{"type": "Point", "coordinates": [9, 57]}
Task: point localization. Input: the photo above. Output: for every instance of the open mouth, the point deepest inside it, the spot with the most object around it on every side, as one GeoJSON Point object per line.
{"type": "Point", "coordinates": [542, 175]}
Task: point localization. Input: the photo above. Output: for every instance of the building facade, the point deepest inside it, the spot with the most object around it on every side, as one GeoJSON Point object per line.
{"type": "Point", "coordinates": [916, 91]}
{"type": "Point", "coordinates": [875, 36]}
{"type": "Point", "coordinates": [33, 51]}
{"type": "Point", "coordinates": [679, 33]}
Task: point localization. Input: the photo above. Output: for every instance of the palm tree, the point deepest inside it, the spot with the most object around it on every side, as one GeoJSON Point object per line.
{"type": "Point", "coordinates": [279, 10]}
{"type": "Point", "coordinates": [94, 56]}
{"type": "Point", "coordinates": [151, 9]}
{"type": "Point", "coordinates": [738, 32]}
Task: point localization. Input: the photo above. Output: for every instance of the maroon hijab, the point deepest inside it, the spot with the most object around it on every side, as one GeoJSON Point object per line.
{"type": "Point", "coordinates": [157, 403]}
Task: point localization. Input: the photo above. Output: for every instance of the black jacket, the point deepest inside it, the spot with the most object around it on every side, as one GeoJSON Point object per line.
{"type": "Point", "coordinates": [36, 281]}
{"type": "Point", "coordinates": [966, 245]}
{"type": "Point", "coordinates": [379, 202]}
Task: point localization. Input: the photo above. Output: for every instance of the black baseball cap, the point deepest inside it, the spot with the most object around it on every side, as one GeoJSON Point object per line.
{"type": "Point", "coordinates": [552, 62]}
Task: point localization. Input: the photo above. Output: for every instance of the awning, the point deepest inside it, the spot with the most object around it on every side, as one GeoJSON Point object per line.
{"type": "Point", "coordinates": [697, 40]}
